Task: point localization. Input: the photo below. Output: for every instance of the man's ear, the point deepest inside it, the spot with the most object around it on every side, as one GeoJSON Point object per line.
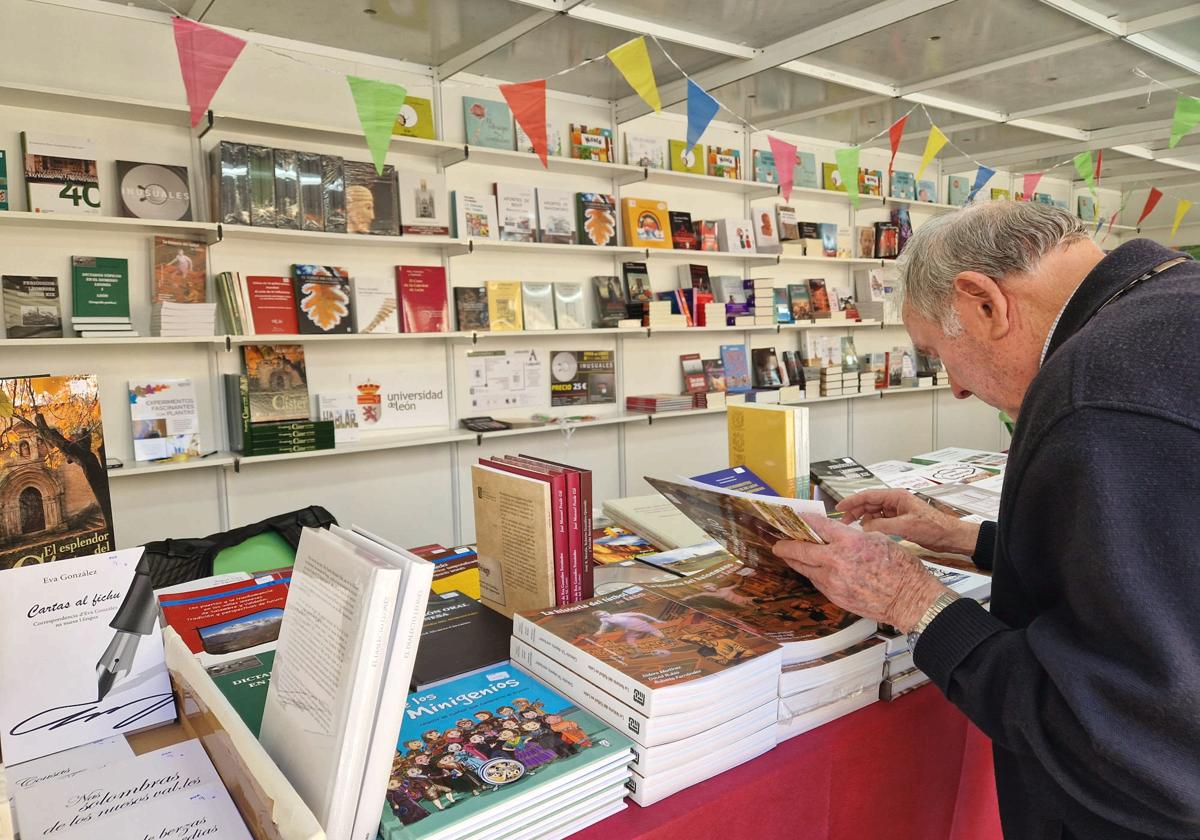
{"type": "Point", "coordinates": [982, 307]}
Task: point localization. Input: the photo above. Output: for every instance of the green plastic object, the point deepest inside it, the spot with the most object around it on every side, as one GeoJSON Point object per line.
{"type": "Point", "coordinates": [1007, 421]}
{"type": "Point", "coordinates": [258, 554]}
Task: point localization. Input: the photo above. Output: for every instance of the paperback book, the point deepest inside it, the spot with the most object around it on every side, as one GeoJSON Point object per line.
{"type": "Point", "coordinates": [323, 304]}
{"type": "Point", "coordinates": [180, 271]}
{"type": "Point", "coordinates": [374, 305]}
{"type": "Point", "coordinates": [60, 174]}
{"type": "Point", "coordinates": [591, 143]}
{"type": "Point", "coordinates": [272, 302]}
{"type": "Point", "coordinates": [422, 290]}
{"type": "Point", "coordinates": [538, 305]}
{"type": "Point", "coordinates": [649, 152]}
{"type": "Point", "coordinates": [504, 305]}
{"type": "Point", "coordinates": [684, 159]}
{"type": "Point", "coordinates": [487, 123]}
{"type": "Point", "coordinates": [415, 118]}
{"type": "Point", "coordinates": [166, 422]}
{"type": "Point", "coordinates": [424, 209]}
{"type": "Point", "coordinates": [611, 303]}
{"type": "Point", "coordinates": [471, 308]}
{"type": "Point", "coordinates": [597, 219]}
{"type": "Point", "coordinates": [556, 216]}
{"type": "Point", "coordinates": [569, 306]}
{"type": "Point", "coordinates": [32, 308]}
{"type": "Point", "coordinates": [517, 212]}
{"type": "Point", "coordinates": [647, 223]}
{"type": "Point", "coordinates": [99, 289]}
{"type": "Point", "coordinates": [474, 215]}
{"type": "Point", "coordinates": [372, 201]}
{"type": "Point", "coordinates": [153, 191]}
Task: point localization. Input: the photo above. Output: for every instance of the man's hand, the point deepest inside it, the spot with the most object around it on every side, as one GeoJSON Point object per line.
{"type": "Point", "coordinates": [866, 574]}
{"type": "Point", "coordinates": [901, 514]}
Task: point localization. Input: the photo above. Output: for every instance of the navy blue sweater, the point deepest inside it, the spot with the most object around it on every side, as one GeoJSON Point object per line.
{"type": "Point", "coordinates": [1086, 673]}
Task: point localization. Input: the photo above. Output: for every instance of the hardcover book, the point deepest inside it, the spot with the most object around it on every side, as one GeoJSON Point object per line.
{"type": "Point", "coordinates": [647, 223]}
{"type": "Point", "coordinates": [100, 287]}
{"type": "Point", "coordinates": [153, 191]}
{"type": "Point", "coordinates": [53, 479]}
{"type": "Point", "coordinates": [866, 242]}
{"type": "Point", "coordinates": [693, 373]}
{"type": "Point", "coordinates": [538, 305]}
{"type": "Point", "coordinates": [287, 189]}
{"type": "Point", "coordinates": [687, 160]}
{"type": "Point", "coordinates": [277, 381]}
{"type": "Point", "coordinates": [714, 375]}
{"type": "Point", "coordinates": [32, 308]}
{"type": "Point", "coordinates": [323, 304]}
{"type": "Point", "coordinates": [312, 195]}
{"type": "Point", "coordinates": [556, 216]}
{"type": "Point", "coordinates": [423, 303]}
{"type": "Point", "coordinates": [870, 182]}
{"type": "Point", "coordinates": [649, 152]}
{"type": "Point", "coordinates": [783, 306]}
{"type": "Point", "coordinates": [424, 208]}
{"type": "Point", "coordinates": [272, 305]}
{"type": "Point", "coordinates": [1087, 208]}
{"type": "Point", "coordinates": [831, 178]}
{"type": "Point", "coordinates": [887, 240]}
{"type": "Point", "coordinates": [591, 143]}
{"type": "Point", "coordinates": [375, 306]}
{"type": "Point", "coordinates": [706, 232]}
{"type": "Point", "coordinates": [927, 191]}
{"type": "Point", "coordinates": [766, 368]}
{"type": "Point", "coordinates": [471, 308]}
{"type": "Point", "coordinates": [372, 201]}
{"type": "Point", "coordinates": [959, 187]}
{"type": "Point", "coordinates": [765, 171]}
{"type": "Point", "coordinates": [683, 236]}
{"type": "Point", "coordinates": [504, 305]}
{"type": "Point", "coordinates": [829, 239]}
{"type": "Point", "coordinates": [637, 283]}
{"type": "Point", "coordinates": [800, 301]}
{"type": "Point", "coordinates": [736, 236]}
{"type": "Point", "coordinates": [60, 174]}
{"type": "Point", "coordinates": [786, 224]}
{"type": "Point", "coordinates": [460, 637]}
{"type": "Point", "coordinates": [3, 181]}
{"type": "Point", "coordinates": [807, 173]}
{"type": "Point", "coordinates": [582, 377]}
{"type": "Point", "coordinates": [474, 215]}
{"type": "Point", "coordinates": [904, 185]}
{"type": "Point", "coordinates": [1000, 194]}
{"type": "Point", "coordinates": [415, 119]}
{"type": "Point", "coordinates": [180, 271]}
{"type": "Point", "coordinates": [724, 163]}
{"type": "Point", "coordinates": [517, 209]}
{"type": "Point", "coordinates": [820, 298]}
{"type": "Point", "coordinates": [553, 140]}
{"type": "Point", "coordinates": [333, 193]}
{"type": "Point", "coordinates": [695, 276]}
{"type": "Point", "coordinates": [165, 420]}
{"type": "Point", "coordinates": [260, 162]}
{"type": "Point", "coordinates": [487, 123]}
{"type": "Point", "coordinates": [737, 368]}
{"type": "Point", "coordinates": [568, 306]}
{"type": "Point", "coordinates": [766, 236]}
{"type": "Point", "coordinates": [611, 304]}
{"type": "Point", "coordinates": [597, 218]}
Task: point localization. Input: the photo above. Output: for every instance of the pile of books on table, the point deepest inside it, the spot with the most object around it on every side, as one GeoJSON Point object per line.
{"type": "Point", "coordinates": [183, 319]}
{"type": "Point", "coordinates": [656, 403]}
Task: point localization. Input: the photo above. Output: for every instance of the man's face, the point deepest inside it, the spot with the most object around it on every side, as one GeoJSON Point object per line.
{"type": "Point", "coordinates": [975, 367]}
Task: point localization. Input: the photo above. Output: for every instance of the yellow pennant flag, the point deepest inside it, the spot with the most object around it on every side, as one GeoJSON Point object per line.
{"type": "Point", "coordinates": [932, 146]}
{"type": "Point", "coordinates": [633, 60]}
{"type": "Point", "coordinates": [1180, 211]}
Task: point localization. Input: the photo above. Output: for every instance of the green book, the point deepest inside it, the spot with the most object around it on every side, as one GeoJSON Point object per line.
{"type": "Point", "coordinates": [244, 683]}
{"type": "Point", "coordinates": [3, 181]}
{"type": "Point", "coordinates": [100, 287]}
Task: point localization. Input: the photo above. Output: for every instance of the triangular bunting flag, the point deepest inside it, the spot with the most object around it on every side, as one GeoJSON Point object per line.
{"type": "Point", "coordinates": [1029, 184]}
{"type": "Point", "coordinates": [1099, 161]}
{"type": "Point", "coordinates": [701, 108]}
{"type": "Point", "coordinates": [1181, 210]}
{"type": "Point", "coordinates": [982, 175]}
{"type": "Point", "coordinates": [932, 146]}
{"type": "Point", "coordinates": [632, 59]}
{"type": "Point", "coordinates": [1187, 116]}
{"type": "Point", "coordinates": [1083, 166]}
{"type": "Point", "coordinates": [205, 56]}
{"type": "Point", "coordinates": [1151, 202]}
{"type": "Point", "coordinates": [785, 164]}
{"type": "Point", "coordinates": [528, 103]}
{"type": "Point", "coordinates": [895, 132]}
{"type": "Point", "coordinates": [847, 164]}
{"type": "Point", "coordinates": [378, 103]}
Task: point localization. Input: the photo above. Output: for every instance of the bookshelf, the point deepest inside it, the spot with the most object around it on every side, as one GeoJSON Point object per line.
{"type": "Point", "coordinates": [63, 223]}
{"type": "Point", "coordinates": [140, 468]}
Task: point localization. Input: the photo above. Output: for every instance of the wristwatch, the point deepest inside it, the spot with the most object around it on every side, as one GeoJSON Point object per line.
{"type": "Point", "coordinates": [939, 603]}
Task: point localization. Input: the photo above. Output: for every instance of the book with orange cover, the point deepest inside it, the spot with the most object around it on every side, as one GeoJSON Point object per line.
{"type": "Point", "coordinates": [647, 223]}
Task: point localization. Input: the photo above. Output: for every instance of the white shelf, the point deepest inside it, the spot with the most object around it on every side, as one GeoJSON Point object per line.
{"type": "Point", "coordinates": [95, 342]}
{"type": "Point", "coordinates": [444, 151]}
{"type": "Point", "coordinates": [687, 412]}
{"type": "Point", "coordinates": [378, 445]}
{"type": "Point", "coordinates": [639, 332]}
{"type": "Point", "coordinates": [613, 420]}
{"type": "Point", "coordinates": [108, 224]}
{"type": "Point", "coordinates": [908, 202]}
{"type": "Point", "coordinates": [500, 246]}
{"type": "Point", "coordinates": [132, 468]}
{"type": "Point", "coordinates": [284, 235]}
{"type": "Point", "coordinates": [829, 324]}
{"type": "Point", "coordinates": [99, 105]}
{"type": "Point", "coordinates": [554, 163]}
{"type": "Point", "coordinates": [726, 328]}
{"type": "Point", "coordinates": [271, 338]}
{"type": "Point", "coordinates": [803, 258]}
{"type": "Point", "coordinates": [857, 396]}
{"type": "Point", "coordinates": [711, 256]}
{"type": "Point", "coordinates": [689, 180]}
{"type": "Point", "coordinates": [925, 390]}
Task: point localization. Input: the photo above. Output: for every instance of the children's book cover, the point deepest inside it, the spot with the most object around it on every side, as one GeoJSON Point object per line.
{"type": "Point", "coordinates": [468, 745]}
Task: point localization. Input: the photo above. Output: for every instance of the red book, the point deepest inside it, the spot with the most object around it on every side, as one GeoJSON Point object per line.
{"type": "Point", "coordinates": [693, 373]}
{"type": "Point", "coordinates": [574, 520]}
{"type": "Point", "coordinates": [194, 614]}
{"type": "Point", "coordinates": [587, 564]}
{"type": "Point", "coordinates": [558, 509]}
{"type": "Point", "coordinates": [699, 298]}
{"type": "Point", "coordinates": [681, 300]}
{"type": "Point", "coordinates": [422, 291]}
{"type": "Point", "coordinates": [272, 305]}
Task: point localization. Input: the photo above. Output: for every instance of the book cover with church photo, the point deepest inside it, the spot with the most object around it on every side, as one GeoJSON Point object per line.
{"type": "Point", "coordinates": [54, 499]}
{"type": "Point", "coordinates": [277, 382]}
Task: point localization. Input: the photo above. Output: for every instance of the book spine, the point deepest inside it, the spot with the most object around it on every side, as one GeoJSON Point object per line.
{"type": "Point", "coordinates": [587, 574]}
{"type": "Point", "coordinates": [558, 514]}
{"type": "Point", "coordinates": [574, 537]}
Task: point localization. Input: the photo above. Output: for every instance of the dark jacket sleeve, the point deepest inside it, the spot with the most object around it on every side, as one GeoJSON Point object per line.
{"type": "Point", "coordinates": [1102, 686]}
{"type": "Point", "coordinates": [985, 546]}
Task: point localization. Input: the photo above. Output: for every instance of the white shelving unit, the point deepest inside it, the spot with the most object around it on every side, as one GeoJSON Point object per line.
{"type": "Point", "coordinates": [64, 222]}
{"type": "Point", "coordinates": [501, 246]}
{"type": "Point", "coordinates": [287, 237]}
{"type": "Point", "coordinates": [136, 468]}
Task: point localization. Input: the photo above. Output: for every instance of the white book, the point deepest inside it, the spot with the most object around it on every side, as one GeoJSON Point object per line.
{"type": "Point", "coordinates": [649, 152]}
{"type": "Point", "coordinates": [656, 519]}
{"type": "Point", "coordinates": [108, 334]}
{"type": "Point", "coordinates": [337, 642]}
{"type": "Point", "coordinates": [556, 216]}
{"type": "Point", "coordinates": [735, 236]}
{"type": "Point", "coordinates": [537, 301]}
{"type": "Point", "coordinates": [374, 305]}
{"type": "Point", "coordinates": [865, 678]}
{"type": "Point", "coordinates": [48, 159]}
{"type": "Point", "coordinates": [516, 208]}
{"type": "Point", "coordinates": [799, 677]}
{"type": "Point", "coordinates": [553, 140]}
{"type": "Point", "coordinates": [650, 761]}
{"type": "Point", "coordinates": [569, 306]}
{"type": "Point", "coordinates": [165, 419]}
{"type": "Point", "coordinates": [766, 234]}
{"type": "Point", "coordinates": [647, 791]}
{"type": "Point", "coordinates": [798, 724]}
{"type": "Point", "coordinates": [243, 303]}
{"type": "Point", "coordinates": [424, 208]}
{"type": "Point", "coordinates": [475, 215]}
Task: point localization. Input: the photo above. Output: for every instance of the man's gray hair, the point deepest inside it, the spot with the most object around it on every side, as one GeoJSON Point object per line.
{"type": "Point", "coordinates": [994, 238]}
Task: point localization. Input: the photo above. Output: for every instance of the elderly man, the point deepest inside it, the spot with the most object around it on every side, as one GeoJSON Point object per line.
{"type": "Point", "coordinates": [1086, 672]}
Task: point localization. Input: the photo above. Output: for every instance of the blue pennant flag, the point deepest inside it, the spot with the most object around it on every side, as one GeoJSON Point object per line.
{"type": "Point", "coordinates": [701, 108]}
{"type": "Point", "coordinates": [982, 176]}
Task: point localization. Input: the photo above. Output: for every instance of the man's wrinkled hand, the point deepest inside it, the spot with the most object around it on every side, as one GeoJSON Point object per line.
{"type": "Point", "coordinates": [901, 514]}
{"type": "Point", "coordinates": [866, 574]}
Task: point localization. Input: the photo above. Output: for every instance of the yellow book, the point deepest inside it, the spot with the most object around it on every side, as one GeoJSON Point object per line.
{"type": "Point", "coordinates": [415, 119]}
{"type": "Point", "coordinates": [504, 305]}
{"type": "Point", "coordinates": [466, 582]}
{"type": "Point", "coordinates": [646, 223]}
{"type": "Point", "coordinates": [772, 441]}
{"type": "Point", "coordinates": [685, 161]}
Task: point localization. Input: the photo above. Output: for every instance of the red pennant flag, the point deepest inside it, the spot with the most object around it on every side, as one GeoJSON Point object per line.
{"type": "Point", "coordinates": [528, 103]}
{"type": "Point", "coordinates": [785, 164]}
{"type": "Point", "coordinates": [1029, 184]}
{"type": "Point", "coordinates": [205, 56]}
{"type": "Point", "coordinates": [894, 134]}
{"type": "Point", "coordinates": [1151, 202]}
{"type": "Point", "coordinates": [1099, 161]}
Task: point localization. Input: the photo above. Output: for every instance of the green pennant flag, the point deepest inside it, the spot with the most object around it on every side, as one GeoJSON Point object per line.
{"type": "Point", "coordinates": [1187, 116]}
{"type": "Point", "coordinates": [1083, 165]}
{"type": "Point", "coordinates": [378, 103]}
{"type": "Point", "coordinates": [847, 164]}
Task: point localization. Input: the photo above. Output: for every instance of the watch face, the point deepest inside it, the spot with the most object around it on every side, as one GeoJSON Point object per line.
{"type": "Point", "coordinates": [563, 367]}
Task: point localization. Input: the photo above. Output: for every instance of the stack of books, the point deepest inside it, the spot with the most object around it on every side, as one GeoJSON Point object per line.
{"type": "Point", "coordinates": [817, 691]}
{"type": "Point", "coordinates": [836, 382]}
{"type": "Point", "coordinates": [696, 694]}
{"type": "Point", "coordinates": [268, 406]}
{"type": "Point", "coordinates": [659, 314]}
{"type": "Point", "coordinates": [454, 569]}
{"type": "Point", "coordinates": [838, 478]}
{"type": "Point", "coordinates": [760, 295]}
{"type": "Point", "coordinates": [655, 403]}
{"type": "Point", "coordinates": [183, 319]}
{"type": "Point", "coordinates": [709, 399]}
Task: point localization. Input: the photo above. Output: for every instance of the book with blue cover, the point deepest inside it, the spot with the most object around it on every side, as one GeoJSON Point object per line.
{"type": "Point", "coordinates": [737, 368]}
{"type": "Point", "coordinates": [741, 479]}
{"type": "Point", "coordinates": [474, 749]}
{"type": "Point", "coordinates": [927, 191]}
{"type": "Point", "coordinates": [904, 186]}
{"type": "Point", "coordinates": [488, 123]}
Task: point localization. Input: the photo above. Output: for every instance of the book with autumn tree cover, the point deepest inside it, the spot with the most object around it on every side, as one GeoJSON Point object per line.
{"type": "Point", "coordinates": [323, 304]}
{"type": "Point", "coordinates": [596, 219]}
{"type": "Point", "coordinates": [180, 271]}
{"type": "Point", "coordinates": [53, 480]}
{"type": "Point", "coordinates": [277, 380]}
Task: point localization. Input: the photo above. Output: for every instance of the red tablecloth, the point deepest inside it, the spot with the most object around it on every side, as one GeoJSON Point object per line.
{"type": "Point", "coordinates": [914, 769]}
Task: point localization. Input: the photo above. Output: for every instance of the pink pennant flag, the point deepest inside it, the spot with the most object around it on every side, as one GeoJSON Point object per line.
{"type": "Point", "coordinates": [785, 164]}
{"type": "Point", "coordinates": [205, 56]}
{"type": "Point", "coordinates": [1029, 184]}
{"type": "Point", "coordinates": [528, 103]}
